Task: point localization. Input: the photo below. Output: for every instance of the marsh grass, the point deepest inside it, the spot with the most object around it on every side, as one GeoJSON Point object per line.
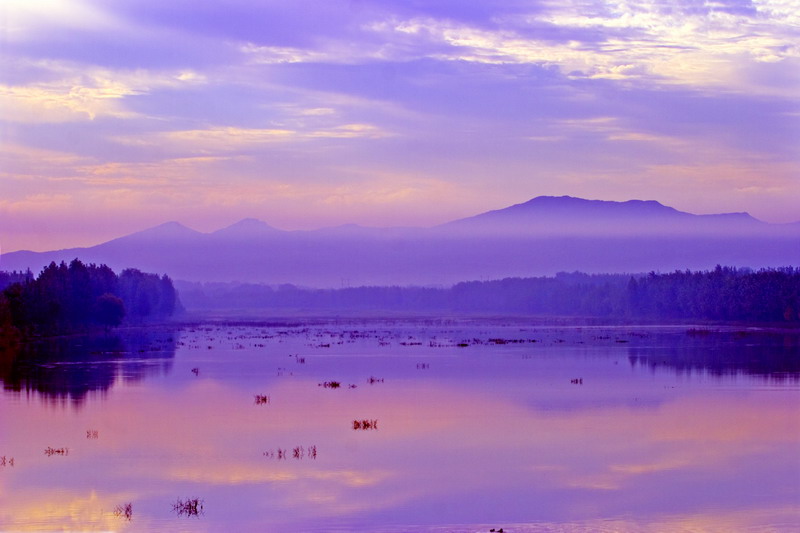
{"type": "Point", "coordinates": [188, 507]}
{"type": "Point", "coordinates": [365, 424]}
{"type": "Point", "coordinates": [124, 511]}
{"type": "Point", "coordinates": [298, 452]}
{"type": "Point", "coordinates": [49, 451]}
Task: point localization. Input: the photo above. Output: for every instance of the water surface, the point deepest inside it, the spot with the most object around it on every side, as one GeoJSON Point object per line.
{"type": "Point", "coordinates": [435, 426]}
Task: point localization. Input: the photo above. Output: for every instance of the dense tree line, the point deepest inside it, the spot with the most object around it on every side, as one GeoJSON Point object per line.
{"type": "Point", "coordinates": [768, 295]}
{"type": "Point", "coordinates": [74, 297]}
{"type": "Point", "coordinates": [726, 294]}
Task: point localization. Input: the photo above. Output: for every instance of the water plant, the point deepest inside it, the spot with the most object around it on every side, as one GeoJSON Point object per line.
{"type": "Point", "coordinates": [365, 424]}
{"type": "Point", "coordinates": [298, 452]}
{"type": "Point", "coordinates": [124, 511]}
{"type": "Point", "coordinates": [50, 451]}
{"type": "Point", "coordinates": [188, 507]}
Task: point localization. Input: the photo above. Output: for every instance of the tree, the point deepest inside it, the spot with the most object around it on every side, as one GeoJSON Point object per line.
{"type": "Point", "coordinates": [109, 310]}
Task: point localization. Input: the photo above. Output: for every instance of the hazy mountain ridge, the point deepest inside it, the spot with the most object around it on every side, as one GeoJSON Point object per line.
{"type": "Point", "coordinates": [569, 215]}
{"type": "Point", "coordinates": [539, 237]}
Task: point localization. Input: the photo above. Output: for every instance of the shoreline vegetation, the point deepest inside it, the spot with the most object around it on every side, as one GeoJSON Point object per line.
{"type": "Point", "coordinates": [79, 298]}
{"type": "Point", "coordinates": [723, 295]}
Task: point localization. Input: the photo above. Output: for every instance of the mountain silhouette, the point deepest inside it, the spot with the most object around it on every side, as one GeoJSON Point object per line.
{"type": "Point", "coordinates": [569, 215]}
{"type": "Point", "coordinates": [247, 228]}
{"type": "Point", "coordinates": [542, 236]}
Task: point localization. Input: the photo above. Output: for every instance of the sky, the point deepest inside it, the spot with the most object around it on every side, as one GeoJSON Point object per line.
{"type": "Point", "coordinates": [118, 115]}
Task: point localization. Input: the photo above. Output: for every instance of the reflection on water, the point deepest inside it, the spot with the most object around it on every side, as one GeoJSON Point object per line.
{"type": "Point", "coordinates": [773, 355]}
{"type": "Point", "coordinates": [469, 427]}
{"type": "Point", "coordinates": [71, 367]}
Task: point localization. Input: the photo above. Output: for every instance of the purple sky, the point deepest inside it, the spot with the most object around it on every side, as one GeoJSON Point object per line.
{"type": "Point", "coordinates": [117, 115]}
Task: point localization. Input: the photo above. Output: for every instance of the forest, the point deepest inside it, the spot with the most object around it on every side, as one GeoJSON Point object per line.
{"type": "Point", "coordinates": [721, 294]}
{"type": "Point", "coordinates": [76, 297]}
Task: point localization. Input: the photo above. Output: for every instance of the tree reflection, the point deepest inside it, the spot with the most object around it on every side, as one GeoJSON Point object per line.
{"type": "Point", "coordinates": [772, 355]}
{"type": "Point", "coordinates": [69, 368]}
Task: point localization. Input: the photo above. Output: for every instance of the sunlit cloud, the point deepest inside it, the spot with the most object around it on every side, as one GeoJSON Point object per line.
{"type": "Point", "coordinates": [355, 106]}
{"type": "Point", "coordinates": [222, 140]}
{"type": "Point", "coordinates": [84, 94]}
{"type": "Point", "coordinates": [642, 41]}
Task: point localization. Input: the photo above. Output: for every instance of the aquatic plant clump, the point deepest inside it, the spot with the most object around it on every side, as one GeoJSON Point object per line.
{"type": "Point", "coordinates": [50, 451]}
{"type": "Point", "coordinates": [188, 507]}
{"type": "Point", "coordinates": [124, 511]}
{"type": "Point", "coordinates": [365, 424]}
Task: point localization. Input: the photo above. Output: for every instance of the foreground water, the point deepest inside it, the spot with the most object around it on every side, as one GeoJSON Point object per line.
{"type": "Point", "coordinates": [434, 426]}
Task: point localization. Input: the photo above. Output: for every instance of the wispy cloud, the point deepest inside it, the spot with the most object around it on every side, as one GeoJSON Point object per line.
{"type": "Point", "coordinates": [500, 101]}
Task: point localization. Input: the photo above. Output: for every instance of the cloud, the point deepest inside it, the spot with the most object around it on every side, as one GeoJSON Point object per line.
{"type": "Point", "coordinates": [493, 100]}
{"type": "Point", "coordinates": [73, 93]}
{"type": "Point", "coordinates": [645, 42]}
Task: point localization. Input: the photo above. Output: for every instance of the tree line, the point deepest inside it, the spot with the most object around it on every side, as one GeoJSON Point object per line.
{"type": "Point", "coordinates": [76, 296]}
{"type": "Point", "coordinates": [723, 294]}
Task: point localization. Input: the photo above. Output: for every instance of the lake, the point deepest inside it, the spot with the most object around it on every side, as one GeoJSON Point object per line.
{"type": "Point", "coordinates": [391, 425]}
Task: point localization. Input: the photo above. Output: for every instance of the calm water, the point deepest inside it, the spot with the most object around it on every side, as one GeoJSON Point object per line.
{"type": "Point", "coordinates": [436, 426]}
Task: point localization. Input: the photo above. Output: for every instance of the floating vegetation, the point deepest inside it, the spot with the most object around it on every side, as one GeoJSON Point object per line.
{"type": "Point", "coordinates": [699, 332]}
{"type": "Point", "coordinates": [576, 381]}
{"type": "Point", "coordinates": [92, 434]}
{"type": "Point", "coordinates": [4, 461]}
{"type": "Point", "coordinates": [55, 451]}
{"type": "Point", "coordinates": [509, 341]}
{"type": "Point", "coordinates": [423, 366]}
{"type": "Point", "coordinates": [188, 507]}
{"type": "Point", "coordinates": [372, 380]}
{"type": "Point", "coordinates": [330, 384]}
{"type": "Point", "coordinates": [365, 424]}
{"type": "Point", "coordinates": [298, 453]}
{"type": "Point", "coordinates": [261, 399]}
{"type": "Point", "coordinates": [124, 511]}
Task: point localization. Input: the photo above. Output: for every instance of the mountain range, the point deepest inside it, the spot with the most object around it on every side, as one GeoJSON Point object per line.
{"type": "Point", "coordinates": [542, 236]}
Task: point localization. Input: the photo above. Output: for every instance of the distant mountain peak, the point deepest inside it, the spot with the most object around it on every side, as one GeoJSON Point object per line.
{"type": "Point", "coordinates": [570, 206]}
{"type": "Point", "coordinates": [167, 229]}
{"type": "Point", "coordinates": [572, 201]}
{"type": "Point", "coordinates": [247, 227]}
{"type": "Point", "coordinates": [567, 215]}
